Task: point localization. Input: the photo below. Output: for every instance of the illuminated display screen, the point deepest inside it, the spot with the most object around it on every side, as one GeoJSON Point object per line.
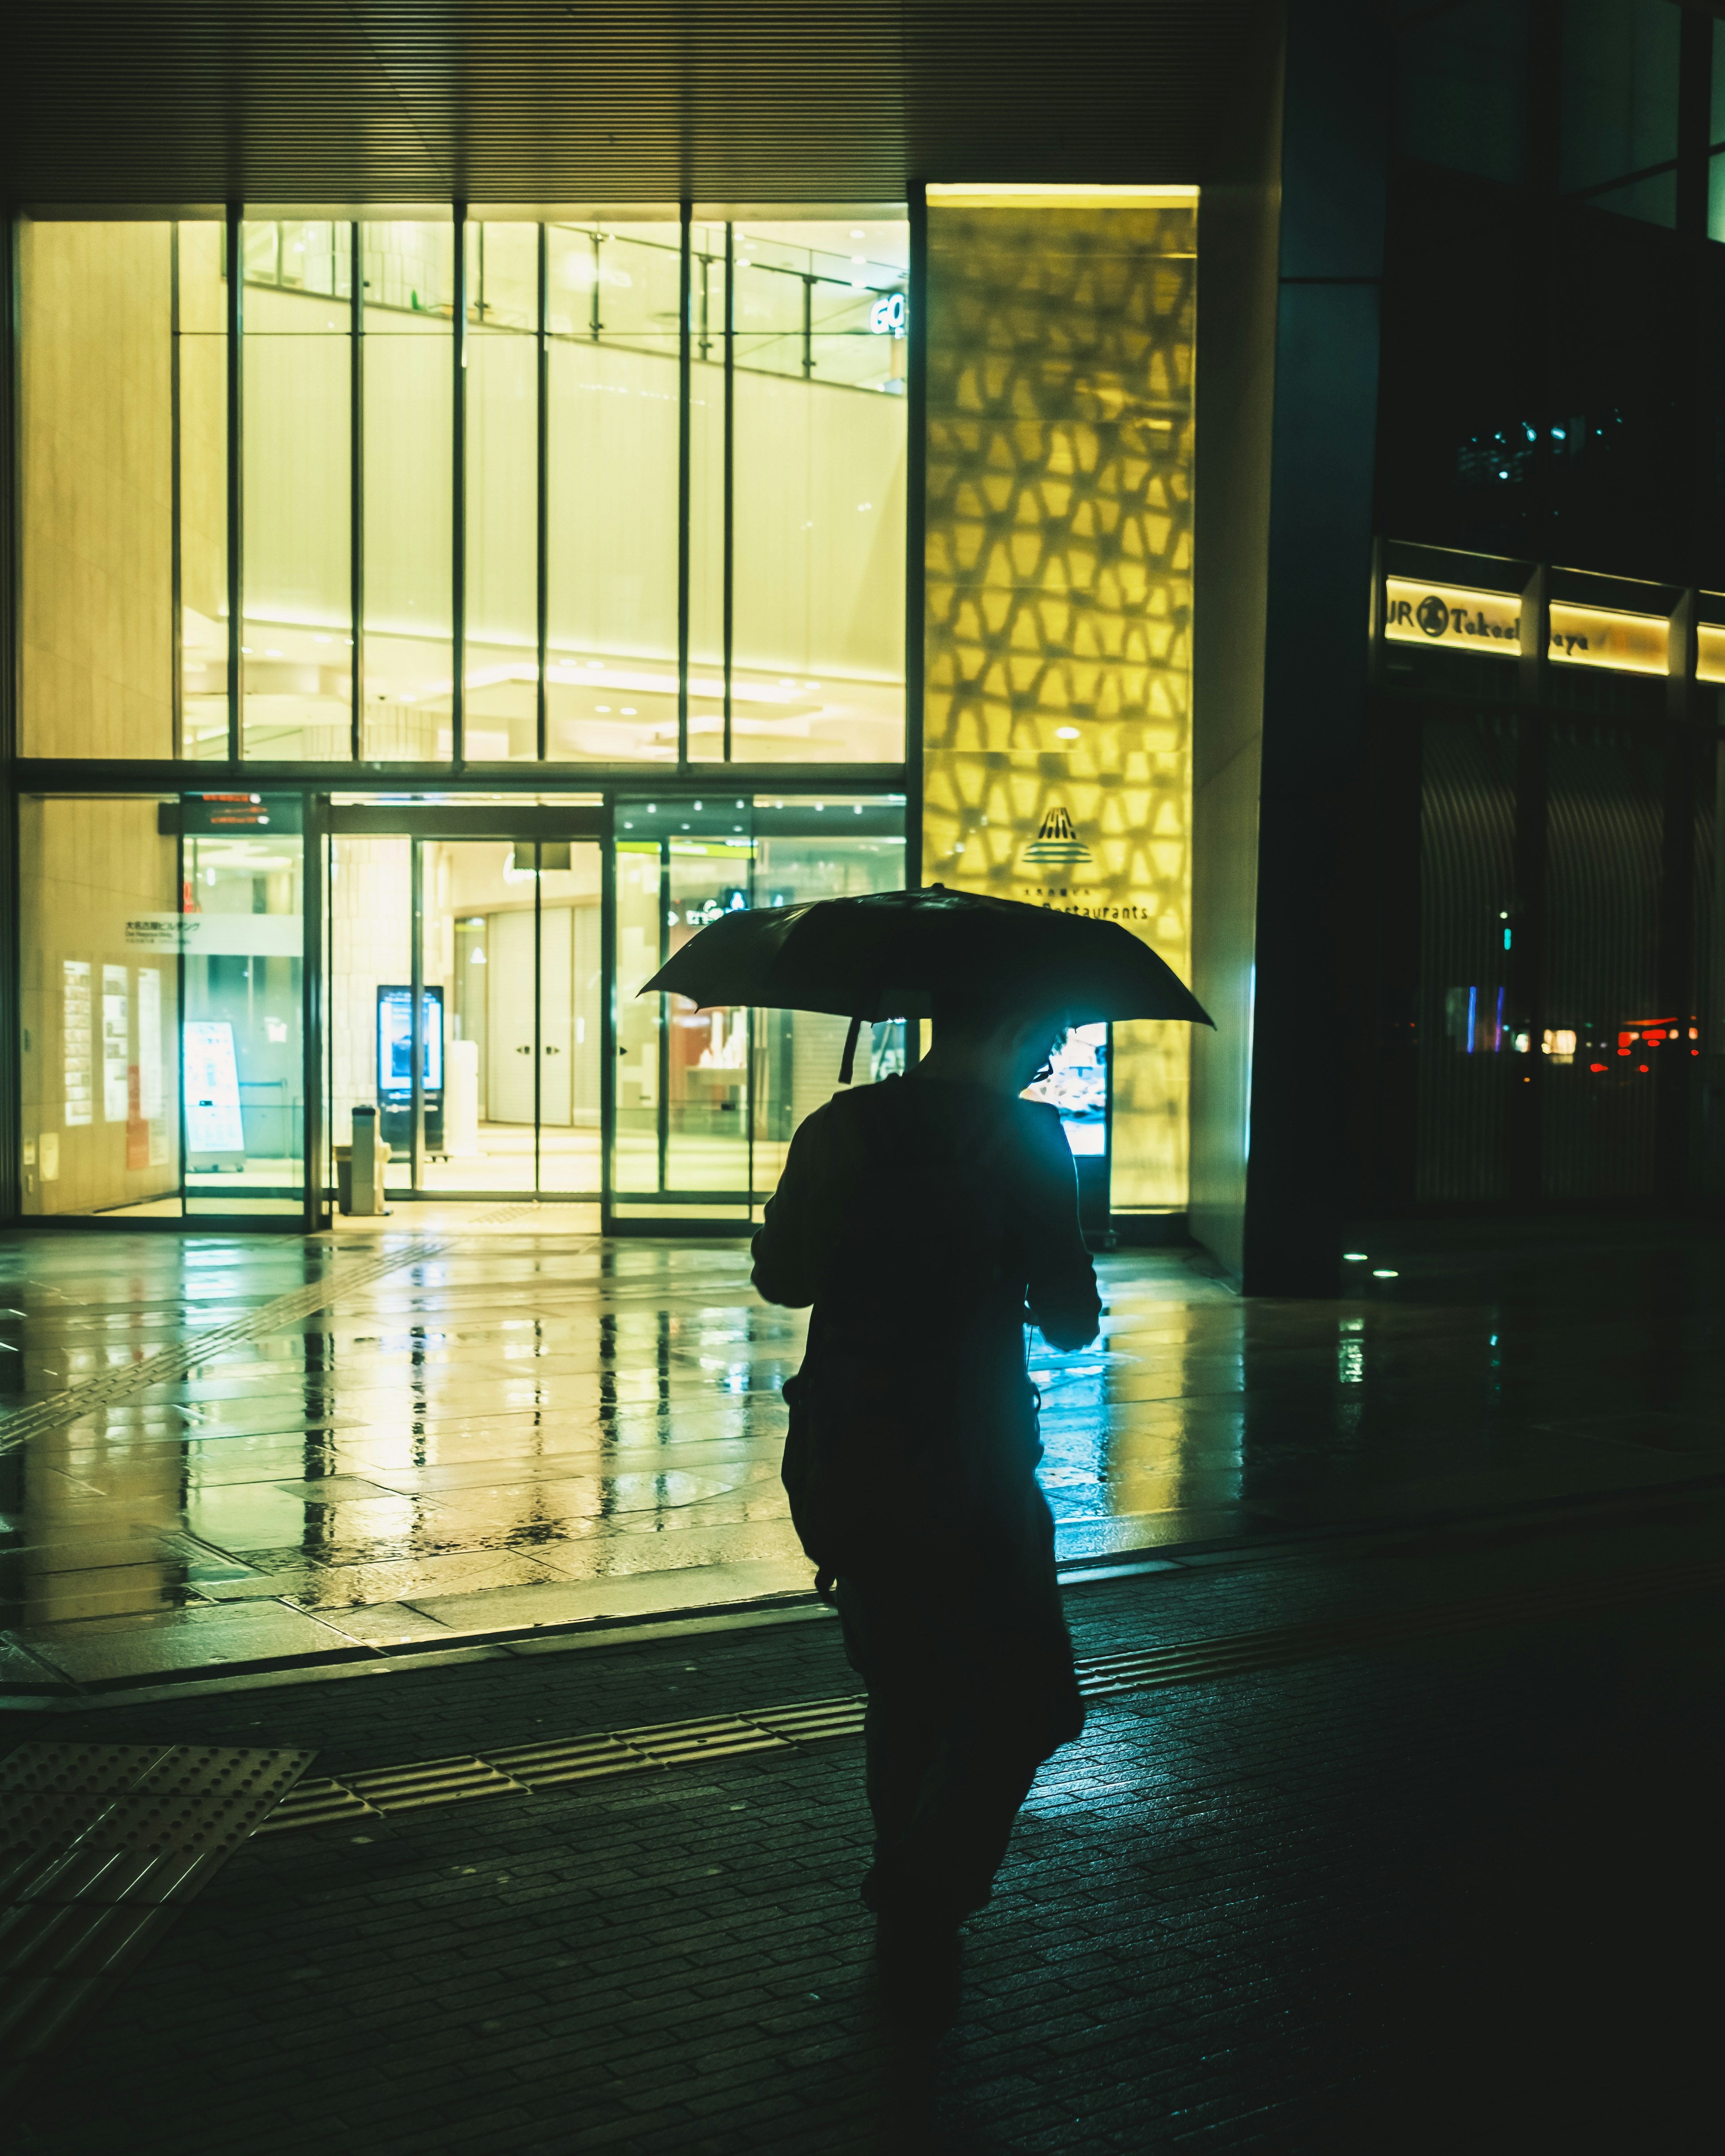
{"type": "Point", "coordinates": [1077, 1085]}
{"type": "Point", "coordinates": [395, 1040]}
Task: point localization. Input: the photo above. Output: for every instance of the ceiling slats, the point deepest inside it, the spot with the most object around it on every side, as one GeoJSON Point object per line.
{"type": "Point", "coordinates": [125, 102]}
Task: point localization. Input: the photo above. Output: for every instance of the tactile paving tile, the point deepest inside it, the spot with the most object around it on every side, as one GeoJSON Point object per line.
{"type": "Point", "coordinates": [577, 1760]}
{"type": "Point", "coordinates": [528, 1768]}
{"type": "Point", "coordinates": [99, 1844]}
{"type": "Point", "coordinates": [431, 1782]}
{"type": "Point", "coordinates": [820, 1718]}
{"type": "Point", "coordinates": [674, 1743]}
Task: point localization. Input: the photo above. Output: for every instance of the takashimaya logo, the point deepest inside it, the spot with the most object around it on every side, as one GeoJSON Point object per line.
{"type": "Point", "coordinates": [1432, 615]}
{"type": "Point", "coordinates": [1056, 844]}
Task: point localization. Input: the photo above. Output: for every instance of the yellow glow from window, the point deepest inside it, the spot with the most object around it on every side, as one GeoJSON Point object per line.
{"type": "Point", "coordinates": [1039, 194]}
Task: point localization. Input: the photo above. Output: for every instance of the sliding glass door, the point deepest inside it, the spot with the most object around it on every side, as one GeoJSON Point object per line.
{"type": "Point", "coordinates": [464, 1005]}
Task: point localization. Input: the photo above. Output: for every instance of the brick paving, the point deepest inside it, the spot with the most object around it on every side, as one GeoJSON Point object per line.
{"type": "Point", "coordinates": [1450, 1893]}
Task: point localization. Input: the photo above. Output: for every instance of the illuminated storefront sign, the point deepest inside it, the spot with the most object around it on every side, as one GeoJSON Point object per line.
{"type": "Point", "coordinates": [1710, 653]}
{"type": "Point", "coordinates": [890, 317]}
{"type": "Point", "coordinates": [1600, 636]}
{"type": "Point", "coordinates": [1491, 622]}
{"type": "Point", "coordinates": [1440, 613]}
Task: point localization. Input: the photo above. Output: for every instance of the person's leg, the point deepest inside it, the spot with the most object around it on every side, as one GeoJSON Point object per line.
{"type": "Point", "coordinates": [903, 1723]}
{"type": "Point", "coordinates": [973, 1672]}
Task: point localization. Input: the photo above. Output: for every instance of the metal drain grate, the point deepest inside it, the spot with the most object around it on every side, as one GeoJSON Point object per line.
{"type": "Point", "coordinates": [100, 1846]}
{"type": "Point", "coordinates": [528, 1768]}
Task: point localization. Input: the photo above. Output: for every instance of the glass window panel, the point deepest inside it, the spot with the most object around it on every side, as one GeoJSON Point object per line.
{"type": "Point", "coordinates": [706, 1052]}
{"type": "Point", "coordinates": [370, 911]}
{"type": "Point", "coordinates": [819, 507]}
{"type": "Point", "coordinates": [706, 492]}
{"type": "Point", "coordinates": [1619, 63]}
{"type": "Point", "coordinates": [797, 1053]}
{"type": "Point", "coordinates": [409, 385]}
{"type": "Point", "coordinates": [1715, 197]}
{"type": "Point", "coordinates": [97, 494]}
{"type": "Point", "coordinates": [571, 1003]}
{"type": "Point", "coordinates": [1653, 200]}
{"type": "Point", "coordinates": [611, 682]}
{"type": "Point", "coordinates": [201, 391]}
{"type": "Point", "coordinates": [770, 291]}
{"type": "Point", "coordinates": [1462, 88]}
{"type": "Point", "coordinates": [100, 1086]}
{"type": "Point", "coordinates": [297, 435]}
{"type": "Point", "coordinates": [1716, 124]}
{"type": "Point", "coordinates": [243, 1053]}
{"type": "Point", "coordinates": [640, 912]}
{"type": "Point", "coordinates": [502, 718]}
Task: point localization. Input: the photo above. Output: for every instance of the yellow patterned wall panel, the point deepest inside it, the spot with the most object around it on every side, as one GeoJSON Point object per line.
{"type": "Point", "coordinates": [1057, 762]}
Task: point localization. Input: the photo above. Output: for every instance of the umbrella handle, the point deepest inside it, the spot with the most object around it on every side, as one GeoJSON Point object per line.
{"type": "Point", "coordinates": [850, 1063]}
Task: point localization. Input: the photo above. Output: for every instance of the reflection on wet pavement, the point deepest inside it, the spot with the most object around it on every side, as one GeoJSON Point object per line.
{"type": "Point", "coordinates": [532, 1426]}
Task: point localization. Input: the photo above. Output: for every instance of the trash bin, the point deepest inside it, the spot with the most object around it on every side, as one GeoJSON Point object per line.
{"type": "Point", "coordinates": [367, 1152]}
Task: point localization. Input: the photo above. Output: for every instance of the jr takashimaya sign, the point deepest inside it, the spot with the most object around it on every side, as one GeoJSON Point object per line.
{"type": "Point", "coordinates": [1491, 622]}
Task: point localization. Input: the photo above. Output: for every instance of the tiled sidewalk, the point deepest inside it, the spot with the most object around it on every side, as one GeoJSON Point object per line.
{"type": "Point", "coordinates": [527, 1430]}
{"type": "Point", "coordinates": [1441, 1894]}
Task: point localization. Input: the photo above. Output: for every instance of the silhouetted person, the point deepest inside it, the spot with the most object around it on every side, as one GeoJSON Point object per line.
{"type": "Point", "coordinates": [920, 1217]}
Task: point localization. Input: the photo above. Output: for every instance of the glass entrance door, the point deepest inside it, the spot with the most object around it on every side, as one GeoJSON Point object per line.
{"type": "Point", "coordinates": [464, 996]}
{"type": "Point", "coordinates": [705, 1099]}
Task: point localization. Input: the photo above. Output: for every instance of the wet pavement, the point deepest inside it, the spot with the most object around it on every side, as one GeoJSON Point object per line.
{"type": "Point", "coordinates": [467, 1427]}
{"type": "Point", "coordinates": [1426, 1889]}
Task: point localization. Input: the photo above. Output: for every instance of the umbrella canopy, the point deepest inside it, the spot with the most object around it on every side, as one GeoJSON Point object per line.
{"type": "Point", "coordinates": [890, 953]}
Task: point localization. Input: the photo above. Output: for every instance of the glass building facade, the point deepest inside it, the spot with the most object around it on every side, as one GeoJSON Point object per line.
{"type": "Point", "coordinates": [430, 621]}
{"type": "Point", "coordinates": [476, 493]}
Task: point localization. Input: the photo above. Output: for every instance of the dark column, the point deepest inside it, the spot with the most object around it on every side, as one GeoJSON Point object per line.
{"type": "Point", "coordinates": [1527, 910]}
{"type": "Point", "coordinates": [1336, 106]}
{"type": "Point", "coordinates": [11, 977]}
{"type": "Point", "coordinates": [1380, 945]}
{"type": "Point", "coordinates": [1235, 358]}
{"type": "Point", "coordinates": [1680, 995]}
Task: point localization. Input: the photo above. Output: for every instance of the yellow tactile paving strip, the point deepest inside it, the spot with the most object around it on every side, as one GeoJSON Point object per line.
{"type": "Point", "coordinates": [527, 1770]}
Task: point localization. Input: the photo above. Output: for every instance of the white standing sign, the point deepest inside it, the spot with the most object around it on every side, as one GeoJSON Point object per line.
{"type": "Point", "coordinates": [213, 1118]}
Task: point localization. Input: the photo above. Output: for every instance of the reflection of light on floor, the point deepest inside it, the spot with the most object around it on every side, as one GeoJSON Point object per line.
{"type": "Point", "coordinates": [530, 1414]}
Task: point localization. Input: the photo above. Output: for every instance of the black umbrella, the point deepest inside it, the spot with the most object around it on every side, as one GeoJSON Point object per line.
{"type": "Point", "coordinates": [890, 953]}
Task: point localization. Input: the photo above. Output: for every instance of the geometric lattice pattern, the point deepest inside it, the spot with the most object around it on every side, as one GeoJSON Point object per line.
{"type": "Point", "coordinates": [1057, 714]}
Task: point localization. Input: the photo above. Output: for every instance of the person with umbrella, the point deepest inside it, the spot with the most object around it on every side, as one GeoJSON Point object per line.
{"type": "Point", "coordinates": [926, 1219]}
